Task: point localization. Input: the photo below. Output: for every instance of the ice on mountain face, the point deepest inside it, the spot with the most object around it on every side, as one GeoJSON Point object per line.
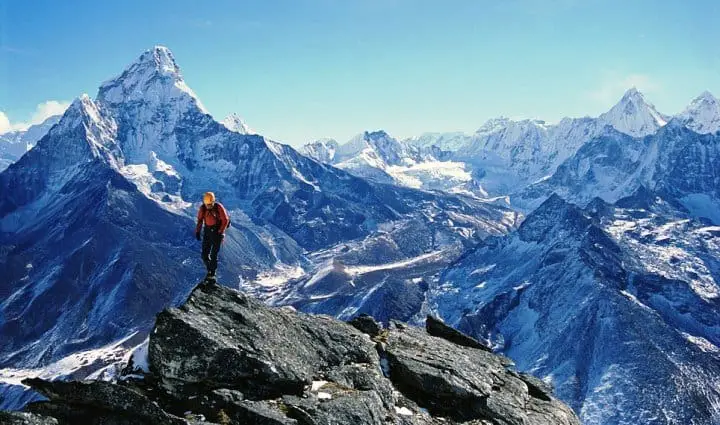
{"type": "Point", "coordinates": [322, 150]}
{"type": "Point", "coordinates": [451, 141]}
{"type": "Point", "coordinates": [703, 114]}
{"type": "Point", "coordinates": [158, 181]}
{"type": "Point", "coordinates": [431, 174]}
{"type": "Point", "coordinates": [506, 155]}
{"type": "Point", "coordinates": [15, 144]}
{"type": "Point", "coordinates": [233, 122]}
{"type": "Point", "coordinates": [154, 77]}
{"type": "Point", "coordinates": [151, 99]}
{"type": "Point", "coordinates": [501, 157]}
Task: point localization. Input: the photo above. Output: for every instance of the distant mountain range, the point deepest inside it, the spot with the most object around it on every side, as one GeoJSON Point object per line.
{"type": "Point", "coordinates": [504, 156]}
{"type": "Point", "coordinates": [15, 144]}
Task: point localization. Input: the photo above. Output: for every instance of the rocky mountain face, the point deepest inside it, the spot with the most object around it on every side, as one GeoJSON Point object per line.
{"type": "Point", "coordinates": [96, 221]}
{"type": "Point", "coordinates": [322, 150]}
{"type": "Point", "coordinates": [617, 305]}
{"type": "Point", "coordinates": [223, 357]}
{"type": "Point", "coordinates": [15, 144]}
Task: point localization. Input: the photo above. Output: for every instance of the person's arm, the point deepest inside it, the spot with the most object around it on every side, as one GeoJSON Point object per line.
{"type": "Point", "coordinates": [198, 226]}
{"type": "Point", "coordinates": [223, 216]}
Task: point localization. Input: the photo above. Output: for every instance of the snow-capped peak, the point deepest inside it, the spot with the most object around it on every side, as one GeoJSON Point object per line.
{"type": "Point", "coordinates": [634, 115]}
{"type": "Point", "coordinates": [153, 78]}
{"type": "Point", "coordinates": [233, 122]}
{"type": "Point", "coordinates": [703, 114]}
{"type": "Point", "coordinates": [150, 100]}
{"type": "Point", "coordinates": [163, 60]}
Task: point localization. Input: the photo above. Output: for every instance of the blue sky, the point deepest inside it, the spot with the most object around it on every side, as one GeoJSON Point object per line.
{"type": "Point", "coordinates": [297, 70]}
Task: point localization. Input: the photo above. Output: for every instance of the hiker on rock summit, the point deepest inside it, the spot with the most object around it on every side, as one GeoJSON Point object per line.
{"type": "Point", "coordinates": [216, 220]}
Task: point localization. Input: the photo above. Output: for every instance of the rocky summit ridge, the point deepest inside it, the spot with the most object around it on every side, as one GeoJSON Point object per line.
{"type": "Point", "coordinates": [224, 357]}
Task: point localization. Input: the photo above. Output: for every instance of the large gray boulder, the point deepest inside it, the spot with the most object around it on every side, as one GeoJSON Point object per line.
{"type": "Point", "coordinates": [465, 383]}
{"type": "Point", "coordinates": [225, 339]}
{"type": "Point", "coordinates": [229, 359]}
{"type": "Point", "coordinates": [97, 402]}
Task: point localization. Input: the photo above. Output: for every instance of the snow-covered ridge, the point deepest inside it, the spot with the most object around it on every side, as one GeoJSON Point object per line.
{"type": "Point", "coordinates": [233, 122]}
{"type": "Point", "coordinates": [703, 114]}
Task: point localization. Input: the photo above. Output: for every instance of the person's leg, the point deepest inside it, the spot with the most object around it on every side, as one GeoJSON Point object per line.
{"type": "Point", "coordinates": [214, 251]}
{"type": "Point", "coordinates": [206, 249]}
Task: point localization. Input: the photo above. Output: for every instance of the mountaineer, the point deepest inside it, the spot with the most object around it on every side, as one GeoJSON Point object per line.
{"type": "Point", "coordinates": [216, 220]}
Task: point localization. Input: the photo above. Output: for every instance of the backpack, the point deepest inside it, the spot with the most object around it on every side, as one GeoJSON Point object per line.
{"type": "Point", "coordinates": [217, 218]}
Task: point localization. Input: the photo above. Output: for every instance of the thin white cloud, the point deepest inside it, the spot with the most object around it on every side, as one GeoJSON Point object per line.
{"type": "Point", "coordinates": [614, 85]}
{"type": "Point", "coordinates": [42, 112]}
{"type": "Point", "coordinates": [48, 109]}
{"type": "Point", "coordinates": [4, 123]}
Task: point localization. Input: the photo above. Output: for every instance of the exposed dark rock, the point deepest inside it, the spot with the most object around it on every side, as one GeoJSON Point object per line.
{"type": "Point", "coordinates": [98, 402]}
{"type": "Point", "coordinates": [438, 328]}
{"type": "Point", "coordinates": [366, 324]}
{"type": "Point", "coordinates": [344, 406]}
{"type": "Point", "coordinates": [233, 360]}
{"type": "Point", "coordinates": [464, 383]}
{"type": "Point", "coordinates": [536, 387]}
{"type": "Point", "coordinates": [230, 405]}
{"type": "Point", "coordinates": [21, 418]}
{"type": "Point", "coordinates": [224, 339]}
{"type": "Point", "coordinates": [363, 378]}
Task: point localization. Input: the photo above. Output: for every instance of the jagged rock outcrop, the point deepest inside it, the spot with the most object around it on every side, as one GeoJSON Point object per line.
{"type": "Point", "coordinates": [438, 328]}
{"type": "Point", "coordinates": [227, 358]}
{"type": "Point", "coordinates": [21, 418]}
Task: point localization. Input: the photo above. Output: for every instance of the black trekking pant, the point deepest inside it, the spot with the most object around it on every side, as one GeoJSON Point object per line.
{"type": "Point", "coordinates": [210, 248]}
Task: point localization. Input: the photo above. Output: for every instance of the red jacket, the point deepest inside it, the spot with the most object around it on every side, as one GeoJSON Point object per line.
{"type": "Point", "coordinates": [211, 217]}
